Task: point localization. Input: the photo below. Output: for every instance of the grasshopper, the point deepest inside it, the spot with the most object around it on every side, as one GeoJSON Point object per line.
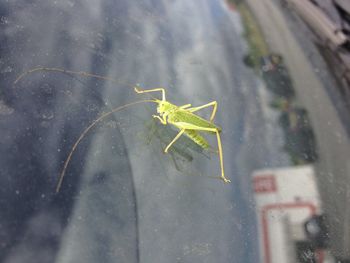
{"type": "Point", "coordinates": [182, 117]}
{"type": "Point", "coordinates": [190, 124]}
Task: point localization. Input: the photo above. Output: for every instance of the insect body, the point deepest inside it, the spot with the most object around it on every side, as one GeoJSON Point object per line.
{"type": "Point", "coordinates": [182, 117]}
{"type": "Point", "coordinates": [190, 124]}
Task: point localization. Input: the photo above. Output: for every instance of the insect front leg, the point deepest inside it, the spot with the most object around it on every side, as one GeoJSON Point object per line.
{"type": "Point", "coordinates": [174, 140]}
{"type": "Point", "coordinates": [137, 90]}
{"type": "Point", "coordinates": [213, 103]}
{"type": "Point", "coordinates": [162, 120]}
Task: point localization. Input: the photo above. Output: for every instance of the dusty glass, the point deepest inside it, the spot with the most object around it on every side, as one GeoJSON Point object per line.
{"type": "Point", "coordinates": [283, 107]}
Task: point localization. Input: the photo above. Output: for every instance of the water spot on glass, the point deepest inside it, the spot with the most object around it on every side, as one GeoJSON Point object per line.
{"type": "Point", "coordinates": [46, 88]}
{"type": "Point", "coordinates": [4, 109]}
{"type": "Point", "coordinates": [71, 3]}
{"type": "Point", "coordinates": [99, 178]}
{"type": "Point", "coordinates": [201, 249]}
{"type": "Point", "coordinates": [45, 124]}
{"type": "Point", "coordinates": [7, 69]}
{"type": "Point", "coordinates": [3, 20]}
{"type": "Point", "coordinates": [47, 115]}
{"type": "Point", "coordinates": [111, 124]}
{"type": "Point", "coordinates": [17, 192]}
{"type": "Point", "coordinates": [97, 152]}
{"type": "Point", "coordinates": [68, 93]}
{"type": "Point", "coordinates": [91, 107]}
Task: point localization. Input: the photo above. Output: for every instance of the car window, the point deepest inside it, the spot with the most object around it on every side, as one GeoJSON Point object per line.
{"type": "Point", "coordinates": [122, 123]}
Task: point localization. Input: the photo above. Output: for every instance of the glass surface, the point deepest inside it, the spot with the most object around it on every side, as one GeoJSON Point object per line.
{"type": "Point", "coordinates": [281, 103]}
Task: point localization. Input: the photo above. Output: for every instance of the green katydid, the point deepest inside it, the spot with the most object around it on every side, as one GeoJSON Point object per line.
{"type": "Point", "coordinates": [182, 117]}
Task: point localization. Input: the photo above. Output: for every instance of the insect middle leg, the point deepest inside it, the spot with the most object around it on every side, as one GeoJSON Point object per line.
{"type": "Point", "coordinates": [163, 121]}
{"type": "Point", "coordinates": [185, 106]}
{"type": "Point", "coordinates": [213, 103]}
{"type": "Point", "coordinates": [174, 140]}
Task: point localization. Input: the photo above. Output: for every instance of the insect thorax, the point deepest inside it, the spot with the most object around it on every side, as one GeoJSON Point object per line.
{"type": "Point", "coordinates": [166, 107]}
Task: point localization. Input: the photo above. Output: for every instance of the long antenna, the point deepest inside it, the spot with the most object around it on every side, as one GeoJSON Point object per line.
{"type": "Point", "coordinates": [61, 70]}
{"type": "Point", "coordinates": [103, 116]}
{"type": "Point", "coordinates": [80, 73]}
{"type": "Point", "coordinates": [82, 135]}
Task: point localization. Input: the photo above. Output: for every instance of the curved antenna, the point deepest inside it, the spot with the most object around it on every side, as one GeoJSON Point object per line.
{"type": "Point", "coordinates": [65, 71]}
{"type": "Point", "coordinates": [80, 73]}
{"type": "Point", "coordinates": [82, 135]}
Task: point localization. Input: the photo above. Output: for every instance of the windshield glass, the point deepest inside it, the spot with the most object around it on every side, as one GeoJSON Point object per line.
{"type": "Point", "coordinates": [122, 123]}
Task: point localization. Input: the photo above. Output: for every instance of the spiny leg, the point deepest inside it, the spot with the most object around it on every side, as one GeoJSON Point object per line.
{"type": "Point", "coordinates": [221, 159]}
{"type": "Point", "coordinates": [213, 103]}
{"type": "Point", "coordinates": [217, 131]}
{"type": "Point", "coordinates": [174, 140]}
{"type": "Point", "coordinates": [137, 90]}
{"type": "Point", "coordinates": [220, 152]}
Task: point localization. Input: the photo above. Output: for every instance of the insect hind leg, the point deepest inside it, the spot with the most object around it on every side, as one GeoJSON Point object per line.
{"type": "Point", "coordinates": [217, 132]}
{"type": "Point", "coordinates": [221, 159]}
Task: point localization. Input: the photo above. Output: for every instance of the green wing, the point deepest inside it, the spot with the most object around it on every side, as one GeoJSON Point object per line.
{"type": "Point", "coordinates": [190, 118]}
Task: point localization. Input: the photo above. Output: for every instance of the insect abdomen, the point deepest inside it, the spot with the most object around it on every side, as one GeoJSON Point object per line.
{"type": "Point", "coordinates": [197, 138]}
